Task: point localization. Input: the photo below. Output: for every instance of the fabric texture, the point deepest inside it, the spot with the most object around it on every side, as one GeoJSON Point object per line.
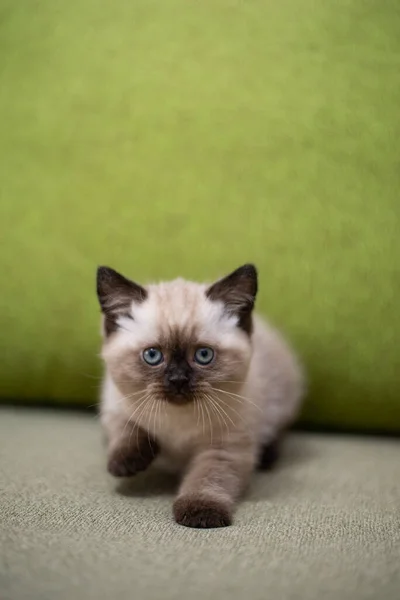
{"type": "Point", "coordinates": [186, 138]}
{"type": "Point", "coordinates": [324, 524]}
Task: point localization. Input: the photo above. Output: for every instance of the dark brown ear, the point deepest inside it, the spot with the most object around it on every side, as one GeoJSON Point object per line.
{"type": "Point", "coordinates": [238, 292]}
{"type": "Point", "coordinates": [116, 294]}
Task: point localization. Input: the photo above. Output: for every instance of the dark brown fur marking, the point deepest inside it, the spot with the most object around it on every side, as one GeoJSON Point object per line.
{"type": "Point", "coordinates": [127, 461]}
{"type": "Point", "coordinates": [110, 323]}
{"type": "Point", "coordinates": [201, 513]}
{"type": "Point", "coordinates": [238, 292]}
{"type": "Point", "coordinates": [269, 456]}
{"type": "Point", "coordinates": [116, 293]}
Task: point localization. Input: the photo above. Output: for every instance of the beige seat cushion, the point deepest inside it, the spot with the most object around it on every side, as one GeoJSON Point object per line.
{"type": "Point", "coordinates": [325, 525]}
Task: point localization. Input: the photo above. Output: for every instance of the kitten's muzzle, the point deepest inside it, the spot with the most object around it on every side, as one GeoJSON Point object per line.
{"type": "Point", "coordinates": [178, 383]}
{"type": "Point", "coordinates": [178, 379]}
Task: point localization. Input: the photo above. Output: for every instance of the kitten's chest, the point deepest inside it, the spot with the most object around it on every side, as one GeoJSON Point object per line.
{"type": "Point", "coordinates": [177, 432]}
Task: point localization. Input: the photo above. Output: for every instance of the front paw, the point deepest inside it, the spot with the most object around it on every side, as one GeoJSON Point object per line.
{"type": "Point", "coordinates": [128, 463]}
{"type": "Point", "coordinates": [201, 513]}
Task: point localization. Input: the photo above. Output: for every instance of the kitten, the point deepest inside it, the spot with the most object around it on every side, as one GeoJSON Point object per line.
{"type": "Point", "coordinates": [197, 382]}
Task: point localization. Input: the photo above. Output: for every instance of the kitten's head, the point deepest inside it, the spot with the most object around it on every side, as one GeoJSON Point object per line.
{"type": "Point", "coordinates": [177, 340]}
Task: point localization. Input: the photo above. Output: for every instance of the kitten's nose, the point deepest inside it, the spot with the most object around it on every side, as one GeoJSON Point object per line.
{"type": "Point", "coordinates": [178, 381]}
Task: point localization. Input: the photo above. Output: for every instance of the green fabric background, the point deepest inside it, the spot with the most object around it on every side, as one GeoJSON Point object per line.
{"type": "Point", "coordinates": [166, 137]}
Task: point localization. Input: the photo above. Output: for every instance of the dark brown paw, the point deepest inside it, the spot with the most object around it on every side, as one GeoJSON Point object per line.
{"type": "Point", "coordinates": [201, 513]}
{"type": "Point", "coordinates": [124, 464]}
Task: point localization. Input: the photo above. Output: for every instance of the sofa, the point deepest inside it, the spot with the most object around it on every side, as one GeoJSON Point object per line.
{"type": "Point", "coordinates": [324, 524]}
{"type": "Point", "coordinates": [165, 139]}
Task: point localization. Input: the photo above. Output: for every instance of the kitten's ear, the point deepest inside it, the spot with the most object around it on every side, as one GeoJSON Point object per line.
{"type": "Point", "coordinates": [238, 292]}
{"type": "Point", "coordinates": [116, 294]}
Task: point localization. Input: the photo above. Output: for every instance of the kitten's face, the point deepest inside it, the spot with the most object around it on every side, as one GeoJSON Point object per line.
{"type": "Point", "coordinates": [177, 341]}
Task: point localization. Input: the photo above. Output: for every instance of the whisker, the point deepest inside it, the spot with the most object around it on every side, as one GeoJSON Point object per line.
{"type": "Point", "coordinates": [221, 420]}
{"type": "Point", "coordinates": [159, 405]}
{"type": "Point", "coordinates": [164, 404]}
{"type": "Point", "coordinates": [96, 415]}
{"type": "Point", "coordinates": [221, 415]}
{"type": "Point", "coordinates": [203, 423]}
{"type": "Point", "coordinates": [215, 402]}
{"type": "Point", "coordinates": [237, 397]}
{"type": "Point", "coordinates": [212, 405]}
{"type": "Point", "coordinates": [196, 409]}
{"type": "Point", "coordinates": [152, 408]}
{"type": "Point", "coordinates": [156, 417]}
{"type": "Point", "coordinates": [231, 393]}
{"type": "Point", "coordinates": [139, 417]}
{"type": "Point", "coordinates": [231, 381]}
{"type": "Point", "coordinates": [210, 421]}
{"type": "Point", "coordinates": [128, 396]}
{"type": "Point", "coordinates": [241, 417]}
{"type": "Point", "coordinates": [142, 401]}
{"type": "Point", "coordinates": [96, 377]}
{"type": "Point", "coordinates": [101, 378]}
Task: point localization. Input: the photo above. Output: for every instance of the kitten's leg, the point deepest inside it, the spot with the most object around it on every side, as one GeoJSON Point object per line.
{"type": "Point", "coordinates": [130, 448]}
{"type": "Point", "coordinates": [210, 488]}
{"type": "Point", "coordinates": [269, 455]}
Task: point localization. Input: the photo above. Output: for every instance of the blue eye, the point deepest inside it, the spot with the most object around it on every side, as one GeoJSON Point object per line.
{"type": "Point", "coordinates": [204, 356]}
{"type": "Point", "coordinates": [153, 356]}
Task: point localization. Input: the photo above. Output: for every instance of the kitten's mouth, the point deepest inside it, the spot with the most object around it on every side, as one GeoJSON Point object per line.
{"type": "Point", "coordinates": [179, 398]}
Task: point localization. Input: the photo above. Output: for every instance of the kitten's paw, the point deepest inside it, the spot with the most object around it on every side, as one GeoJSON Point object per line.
{"type": "Point", "coordinates": [201, 513]}
{"type": "Point", "coordinates": [126, 464]}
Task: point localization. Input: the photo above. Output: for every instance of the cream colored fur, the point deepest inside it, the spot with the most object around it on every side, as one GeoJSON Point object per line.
{"type": "Point", "coordinates": [250, 396]}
